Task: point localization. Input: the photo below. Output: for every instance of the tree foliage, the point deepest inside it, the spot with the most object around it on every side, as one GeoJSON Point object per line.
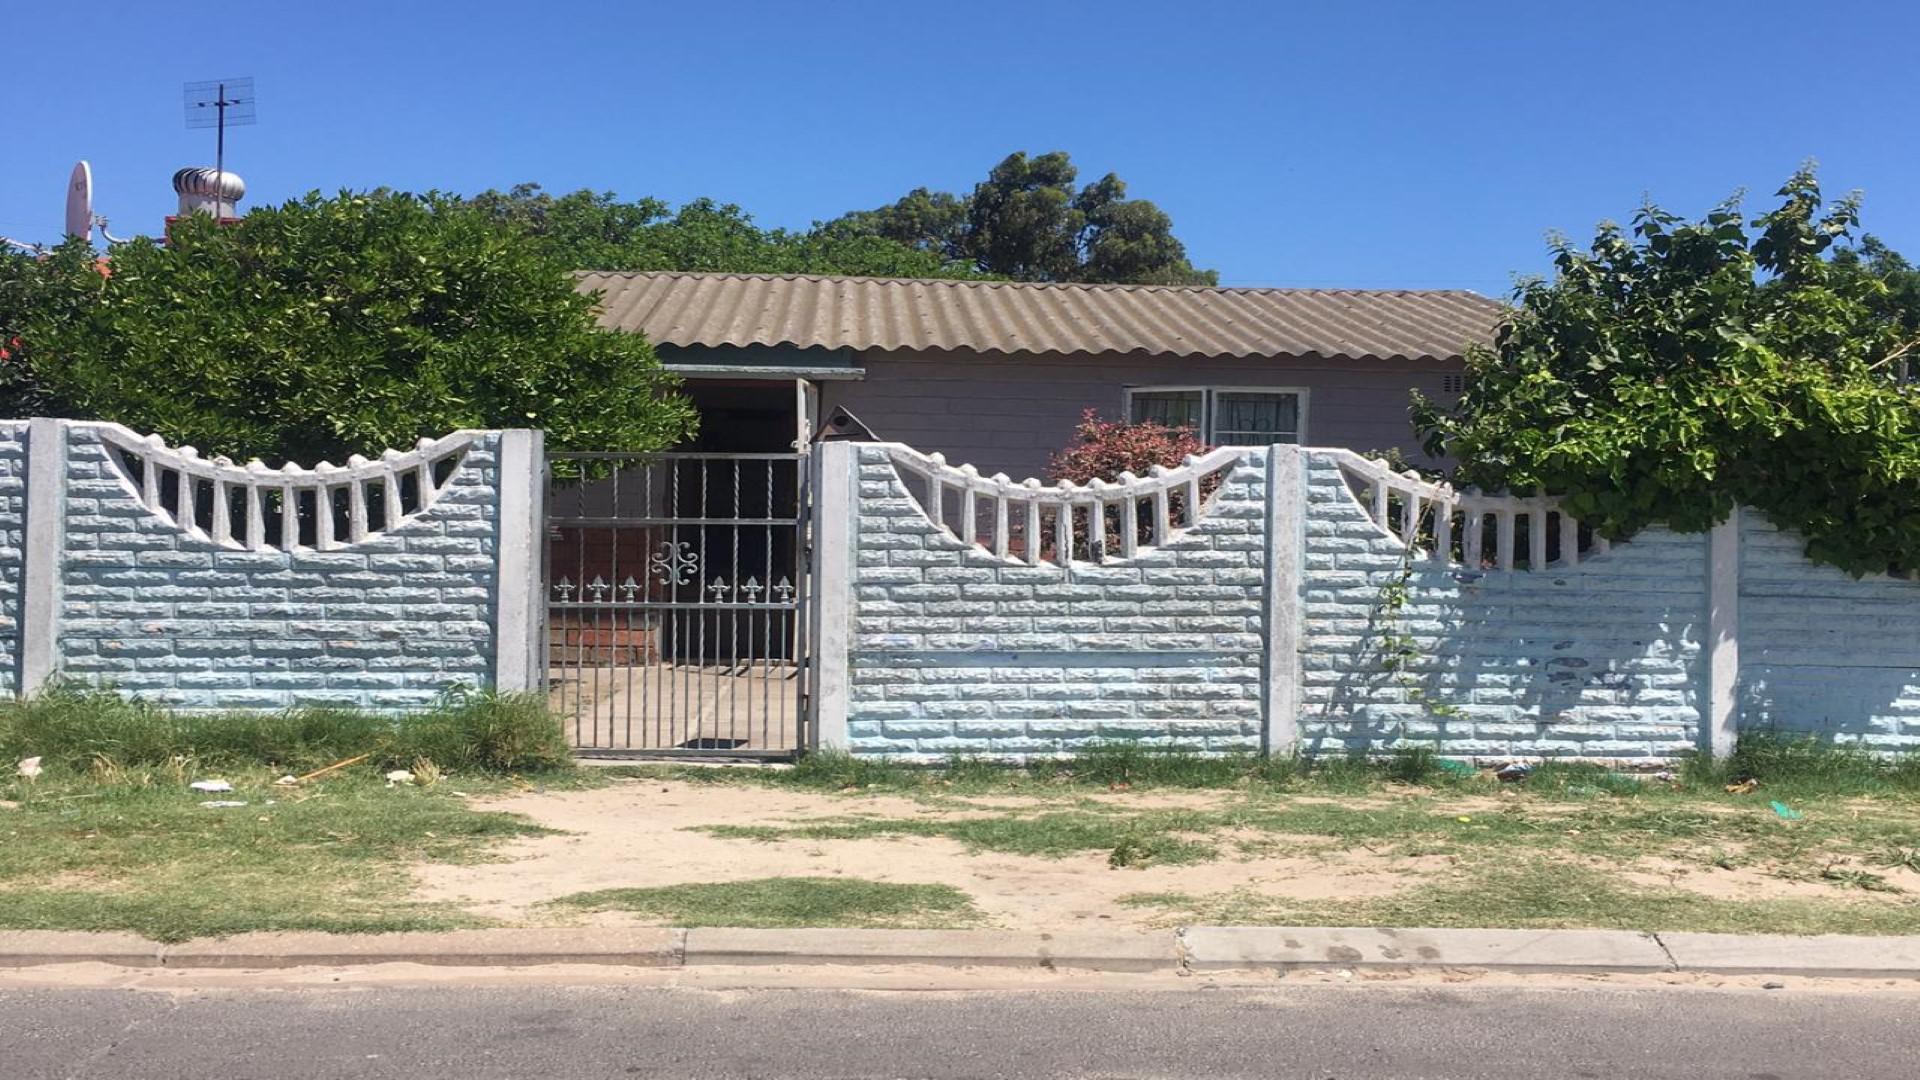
{"type": "Point", "coordinates": [1900, 300]}
{"type": "Point", "coordinates": [1028, 221]}
{"type": "Point", "coordinates": [325, 327]}
{"type": "Point", "coordinates": [1666, 375]}
{"type": "Point", "coordinates": [596, 231]}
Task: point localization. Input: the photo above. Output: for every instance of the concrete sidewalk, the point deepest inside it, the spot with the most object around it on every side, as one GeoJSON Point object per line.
{"type": "Point", "coordinates": [1199, 948]}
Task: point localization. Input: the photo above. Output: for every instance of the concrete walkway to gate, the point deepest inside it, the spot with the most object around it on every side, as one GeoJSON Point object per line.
{"type": "Point", "coordinates": [748, 707]}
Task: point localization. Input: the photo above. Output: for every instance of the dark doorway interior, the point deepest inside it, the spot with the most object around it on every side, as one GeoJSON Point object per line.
{"type": "Point", "coordinates": [743, 417]}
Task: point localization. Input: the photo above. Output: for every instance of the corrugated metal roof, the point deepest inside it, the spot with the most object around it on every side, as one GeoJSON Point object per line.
{"type": "Point", "coordinates": [1023, 317]}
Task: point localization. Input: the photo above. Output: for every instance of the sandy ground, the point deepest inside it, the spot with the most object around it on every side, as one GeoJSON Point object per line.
{"type": "Point", "coordinates": [639, 833]}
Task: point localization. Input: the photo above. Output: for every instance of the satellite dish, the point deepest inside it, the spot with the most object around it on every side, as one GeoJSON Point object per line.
{"type": "Point", "coordinates": [80, 201]}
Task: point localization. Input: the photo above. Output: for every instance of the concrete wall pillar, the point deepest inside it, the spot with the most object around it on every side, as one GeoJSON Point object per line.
{"type": "Point", "coordinates": [830, 579]}
{"type": "Point", "coordinates": [1720, 717]}
{"type": "Point", "coordinates": [519, 593]}
{"type": "Point", "coordinates": [46, 502]}
{"type": "Point", "coordinates": [1286, 518]}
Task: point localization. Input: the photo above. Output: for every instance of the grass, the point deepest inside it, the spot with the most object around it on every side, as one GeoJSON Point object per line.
{"type": "Point", "coordinates": [1130, 840]}
{"type": "Point", "coordinates": [1530, 893]}
{"type": "Point", "coordinates": [133, 849]}
{"type": "Point", "coordinates": [110, 836]}
{"type": "Point", "coordinates": [788, 902]}
{"type": "Point", "coordinates": [1571, 845]}
{"type": "Point", "coordinates": [70, 727]}
{"type": "Point", "coordinates": [1785, 765]}
{"type": "Point", "coordinates": [1790, 766]}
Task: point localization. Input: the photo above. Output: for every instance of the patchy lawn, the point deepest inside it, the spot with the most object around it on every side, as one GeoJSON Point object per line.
{"type": "Point", "coordinates": [1821, 842]}
{"type": "Point", "coordinates": [790, 901]}
{"type": "Point", "coordinates": [134, 849]}
{"type": "Point", "coordinates": [1052, 849]}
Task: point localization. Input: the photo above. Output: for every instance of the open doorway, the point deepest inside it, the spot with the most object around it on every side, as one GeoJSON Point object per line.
{"type": "Point", "coordinates": [745, 417]}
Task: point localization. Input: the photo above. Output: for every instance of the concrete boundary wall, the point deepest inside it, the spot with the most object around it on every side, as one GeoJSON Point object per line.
{"type": "Point", "coordinates": [202, 584]}
{"type": "Point", "coordinates": [1320, 602]}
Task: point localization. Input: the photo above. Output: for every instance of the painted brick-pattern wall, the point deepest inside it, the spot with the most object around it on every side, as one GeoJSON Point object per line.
{"type": "Point", "coordinates": [1821, 652]}
{"type": "Point", "coordinates": [13, 499]}
{"type": "Point", "coordinates": [957, 650]}
{"type": "Point", "coordinates": [1599, 660]}
{"type": "Point", "coordinates": [386, 623]}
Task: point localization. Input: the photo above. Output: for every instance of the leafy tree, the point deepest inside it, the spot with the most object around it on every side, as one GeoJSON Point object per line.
{"type": "Point", "coordinates": [934, 221]}
{"type": "Point", "coordinates": [1028, 221]}
{"type": "Point", "coordinates": [325, 327]}
{"type": "Point", "coordinates": [1667, 375]}
{"type": "Point", "coordinates": [596, 231]}
{"type": "Point", "coordinates": [1901, 300]}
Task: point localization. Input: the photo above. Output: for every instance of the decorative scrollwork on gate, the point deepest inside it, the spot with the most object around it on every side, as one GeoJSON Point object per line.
{"type": "Point", "coordinates": [675, 564]}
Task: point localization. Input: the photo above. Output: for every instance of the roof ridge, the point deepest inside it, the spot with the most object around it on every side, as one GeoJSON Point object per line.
{"type": "Point", "coordinates": [1065, 286]}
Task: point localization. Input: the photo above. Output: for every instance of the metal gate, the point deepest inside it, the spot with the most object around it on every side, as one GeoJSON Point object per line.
{"type": "Point", "coordinates": [677, 599]}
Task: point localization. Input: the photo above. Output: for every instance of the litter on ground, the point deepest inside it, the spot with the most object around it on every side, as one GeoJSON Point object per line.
{"type": "Point", "coordinates": [211, 786]}
{"type": "Point", "coordinates": [28, 767]}
{"type": "Point", "coordinates": [222, 804]}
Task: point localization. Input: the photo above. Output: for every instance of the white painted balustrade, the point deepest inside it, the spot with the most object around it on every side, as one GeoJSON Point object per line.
{"type": "Point", "coordinates": [1013, 519]}
{"type": "Point", "coordinates": [1454, 525]}
{"type": "Point", "coordinates": [254, 508]}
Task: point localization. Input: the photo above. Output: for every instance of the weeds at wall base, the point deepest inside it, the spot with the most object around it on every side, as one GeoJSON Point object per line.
{"type": "Point", "coordinates": [80, 729]}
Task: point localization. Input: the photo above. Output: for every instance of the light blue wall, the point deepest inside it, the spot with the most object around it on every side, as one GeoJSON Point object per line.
{"type": "Point", "coordinates": [13, 505]}
{"type": "Point", "coordinates": [1599, 660]}
{"type": "Point", "coordinates": [386, 623]}
{"type": "Point", "coordinates": [1824, 653]}
{"type": "Point", "coordinates": [955, 649]}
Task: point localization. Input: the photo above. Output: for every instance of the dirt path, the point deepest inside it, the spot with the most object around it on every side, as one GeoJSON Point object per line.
{"type": "Point", "coordinates": [637, 834]}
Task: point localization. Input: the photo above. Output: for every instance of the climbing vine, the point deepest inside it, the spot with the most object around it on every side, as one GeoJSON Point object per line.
{"type": "Point", "coordinates": [1665, 375]}
{"type": "Point", "coordinates": [1398, 647]}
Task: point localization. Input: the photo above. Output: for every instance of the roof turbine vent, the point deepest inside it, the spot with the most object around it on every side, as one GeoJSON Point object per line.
{"type": "Point", "coordinates": [205, 190]}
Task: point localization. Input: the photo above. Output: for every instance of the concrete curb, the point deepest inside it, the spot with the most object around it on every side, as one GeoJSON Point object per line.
{"type": "Point", "coordinates": [1191, 949]}
{"type": "Point", "coordinates": [1225, 948]}
{"type": "Point", "coordinates": [1081, 950]}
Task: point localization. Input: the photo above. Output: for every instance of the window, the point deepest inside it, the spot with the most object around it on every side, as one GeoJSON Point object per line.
{"type": "Point", "coordinates": [1224, 416]}
{"type": "Point", "coordinates": [1173, 408]}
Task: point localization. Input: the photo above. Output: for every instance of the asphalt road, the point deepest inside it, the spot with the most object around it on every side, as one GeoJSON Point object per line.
{"type": "Point", "coordinates": [1307, 1032]}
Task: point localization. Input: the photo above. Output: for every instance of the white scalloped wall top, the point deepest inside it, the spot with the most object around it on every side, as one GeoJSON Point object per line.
{"type": "Point", "coordinates": [1024, 510]}
{"type": "Point", "coordinates": [1411, 509]}
{"type": "Point", "coordinates": [157, 475]}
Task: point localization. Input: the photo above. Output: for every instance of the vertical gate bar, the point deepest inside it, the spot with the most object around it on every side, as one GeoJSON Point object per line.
{"type": "Point", "coordinates": [593, 639]}
{"type": "Point", "coordinates": [617, 638]}
{"type": "Point", "coordinates": [733, 618]}
{"type": "Point", "coordinates": [656, 666]}
{"type": "Point", "coordinates": [700, 668]}
{"type": "Point", "coordinates": [678, 709]}
{"type": "Point", "coordinates": [767, 667]}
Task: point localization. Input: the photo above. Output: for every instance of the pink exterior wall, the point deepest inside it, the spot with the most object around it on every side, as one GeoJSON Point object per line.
{"type": "Point", "coordinates": [1008, 414]}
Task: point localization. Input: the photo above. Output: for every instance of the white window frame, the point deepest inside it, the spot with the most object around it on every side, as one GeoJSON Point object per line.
{"type": "Point", "coordinates": [1206, 393]}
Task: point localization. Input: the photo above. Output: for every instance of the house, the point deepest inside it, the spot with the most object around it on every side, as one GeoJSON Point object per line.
{"type": "Point", "coordinates": [997, 374]}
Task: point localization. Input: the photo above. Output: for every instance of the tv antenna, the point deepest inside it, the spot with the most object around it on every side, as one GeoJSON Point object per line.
{"type": "Point", "coordinates": [220, 104]}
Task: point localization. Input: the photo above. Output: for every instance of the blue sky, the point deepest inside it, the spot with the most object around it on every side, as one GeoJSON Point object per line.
{"type": "Point", "coordinates": [1388, 145]}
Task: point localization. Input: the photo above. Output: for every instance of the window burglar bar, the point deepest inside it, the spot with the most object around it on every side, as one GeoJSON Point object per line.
{"type": "Point", "coordinates": [676, 602]}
